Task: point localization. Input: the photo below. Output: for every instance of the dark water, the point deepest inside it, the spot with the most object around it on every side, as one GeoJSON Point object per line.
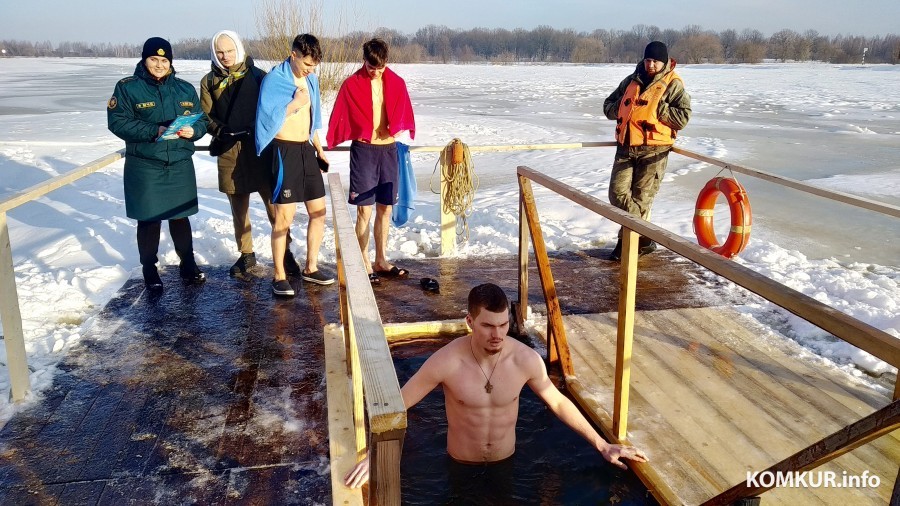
{"type": "Point", "coordinates": [552, 464]}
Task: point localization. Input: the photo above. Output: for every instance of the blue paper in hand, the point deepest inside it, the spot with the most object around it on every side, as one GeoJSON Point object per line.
{"type": "Point", "coordinates": [177, 124]}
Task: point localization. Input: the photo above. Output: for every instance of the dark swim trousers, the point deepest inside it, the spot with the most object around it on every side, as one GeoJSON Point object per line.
{"type": "Point", "coordinates": [295, 172]}
{"type": "Point", "coordinates": [374, 172]}
{"type": "Point", "coordinates": [483, 484]}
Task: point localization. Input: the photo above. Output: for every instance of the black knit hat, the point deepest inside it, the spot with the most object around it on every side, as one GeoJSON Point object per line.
{"type": "Point", "coordinates": [157, 46]}
{"type": "Point", "coordinates": [656, 50]}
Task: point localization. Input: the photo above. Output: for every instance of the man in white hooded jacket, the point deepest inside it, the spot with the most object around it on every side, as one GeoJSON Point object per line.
{"type": "Point", "coordinates": [228, 95]}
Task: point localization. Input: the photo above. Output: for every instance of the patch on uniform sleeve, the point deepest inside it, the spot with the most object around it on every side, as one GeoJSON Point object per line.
{"type": "Point", "coordinates": [146, 105]}
{"type": "Point", "coordinates": [112, 102]}
{"type": "Point", "coordinates": [187, 104]}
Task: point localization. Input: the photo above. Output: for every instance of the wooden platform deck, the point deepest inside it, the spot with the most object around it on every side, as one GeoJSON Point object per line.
{"type": "Point", "coordinates": [714, 396]}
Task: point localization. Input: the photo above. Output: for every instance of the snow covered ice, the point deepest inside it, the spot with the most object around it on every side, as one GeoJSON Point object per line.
{"type": "Point", "coordinates": [836, 126]}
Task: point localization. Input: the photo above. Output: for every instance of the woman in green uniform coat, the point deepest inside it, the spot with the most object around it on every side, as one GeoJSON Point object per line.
{"type": "Point", "coordinates": [160, 183]}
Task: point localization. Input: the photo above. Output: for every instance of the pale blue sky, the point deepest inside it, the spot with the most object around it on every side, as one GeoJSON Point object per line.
{"type": "Point", "coordinates": [127, 21]}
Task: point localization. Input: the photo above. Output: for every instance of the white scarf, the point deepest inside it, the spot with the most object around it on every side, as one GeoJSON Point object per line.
{"type": "Point", "coordinates": [239, 46]}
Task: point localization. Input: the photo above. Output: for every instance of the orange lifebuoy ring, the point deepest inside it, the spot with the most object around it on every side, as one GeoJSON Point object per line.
{"type": "Point", "coordinates": [738, 204]}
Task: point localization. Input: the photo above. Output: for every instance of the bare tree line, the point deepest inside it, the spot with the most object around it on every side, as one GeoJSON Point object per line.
{"type": "Point", "coordinates": [440, 44]}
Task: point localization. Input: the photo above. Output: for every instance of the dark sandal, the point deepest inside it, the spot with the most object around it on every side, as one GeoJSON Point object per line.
{"type": "Point", "coordinates": [374, 279]}
{"type": "Point", "coordinates": [395, 272]}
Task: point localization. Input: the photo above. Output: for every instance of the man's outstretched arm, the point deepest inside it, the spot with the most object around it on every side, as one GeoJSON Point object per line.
{"type": "Point", "coordinates": [566, 411]}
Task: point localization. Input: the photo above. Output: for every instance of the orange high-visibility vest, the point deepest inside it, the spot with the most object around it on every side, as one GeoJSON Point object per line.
{"type": "Point", "coordinates": [637, 115]}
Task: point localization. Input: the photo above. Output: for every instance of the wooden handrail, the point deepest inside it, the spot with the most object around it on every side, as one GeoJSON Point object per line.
{"type": "Point", "coordinates": [367, 343]}
{"type": "Point", "coordinates": [45, 187]}
{"type": "Point", "coordinates": [863, 336]}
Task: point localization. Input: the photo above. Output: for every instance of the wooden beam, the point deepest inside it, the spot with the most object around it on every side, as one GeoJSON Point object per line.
{"type": "Point", "coordinates": [341, 440]}
{"type": "Point", "coordinates": [522, 306]}
{"type": "Point", "coordinates": [863, 336]}
{"type": "Point", "coordinates": [13, 336]}
{"type": "Point", "coordinates": [384, 403]}
{"type": "Point", "coordinates": [846, 198]}
{"type": "Point", "coordinates": [879, 423]}
{"type": "Point", "coordinates": [402, 332]}
{"type": "Point", "coordinates": [625, 331]}
{"type": "Point", "coordinates": [502, 147]}
{"type": "Point", "coordinates": [41, 189]}
{"type": "Point", "coordinates": [554, 313]}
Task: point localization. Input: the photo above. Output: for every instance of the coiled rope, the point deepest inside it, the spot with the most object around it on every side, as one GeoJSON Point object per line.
{"type": "Point", "coordinates": [458, 170]}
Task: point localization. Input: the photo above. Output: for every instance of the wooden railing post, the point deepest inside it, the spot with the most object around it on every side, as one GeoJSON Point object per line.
{"type": "Point", "coordinates": [625, 331]}
{"type": "Point", "coordinates": [448, 222]}
{"type": "Point", "coordinates": [522, 304]}
{"type": "Point", "coordinates": [13, 336]}
{"type": "Point", "coordinates": [554, 313]}
{"type": "Point", "coordinates": [386, 451]}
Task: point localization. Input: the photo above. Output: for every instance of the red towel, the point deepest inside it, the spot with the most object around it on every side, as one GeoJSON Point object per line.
{"type": "Point", "coordinates": [351, 117]}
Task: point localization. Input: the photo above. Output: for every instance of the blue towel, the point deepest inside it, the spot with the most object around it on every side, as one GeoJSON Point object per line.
{"type": "Point", "coordinates": [275, 94]}
{"type": "Point", "coordinates": [406, 191]}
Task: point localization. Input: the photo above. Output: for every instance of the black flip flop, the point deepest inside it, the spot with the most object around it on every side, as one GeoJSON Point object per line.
{"type": "Point", "coordinates": [395, 272]}
{"type": "Point", "coordinates": [430, 285]}
{"type": "Point", "coordinates": [374, 279]}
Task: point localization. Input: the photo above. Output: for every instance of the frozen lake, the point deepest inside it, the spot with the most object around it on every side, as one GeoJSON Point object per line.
{"type": "Point", "coordinates": [830, 125]}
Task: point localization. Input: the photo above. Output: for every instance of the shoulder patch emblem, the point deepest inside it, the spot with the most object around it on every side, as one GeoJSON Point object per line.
{"type": "Point", "coordinates": [146, 105]}
{"type": "Point", "coordinates": [126, 79]}
{"type": "Point", "coordinates": [187, 104]}
{"type": "Point", "coordinates": [112, 102]}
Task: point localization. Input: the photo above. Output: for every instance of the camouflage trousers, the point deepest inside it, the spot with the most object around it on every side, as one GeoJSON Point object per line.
{"type": "Point", "coordinates": [636, 174]}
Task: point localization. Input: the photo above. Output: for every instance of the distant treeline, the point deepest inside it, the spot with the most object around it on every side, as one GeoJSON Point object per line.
{"type": "Point", "coordinates": [441, 44]}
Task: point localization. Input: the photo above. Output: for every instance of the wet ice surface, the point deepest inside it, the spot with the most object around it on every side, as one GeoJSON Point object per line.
{"type": "Point", "coordinates": [832, 125]}
{"type": "Point", "coordinates": [199, 395]}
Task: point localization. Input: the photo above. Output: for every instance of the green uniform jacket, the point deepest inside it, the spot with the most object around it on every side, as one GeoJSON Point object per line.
{"type": "Point", "coordinates": [674, 106]}
{"type": "Point", "coordinates": [229, 99]}
{"type": "Point", "coordinates": [160, 183]}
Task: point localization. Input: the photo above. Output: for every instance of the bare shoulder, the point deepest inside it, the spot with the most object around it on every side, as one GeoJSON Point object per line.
{"type": "Point", "coordinates": [447, 355]}
{"type": "Point", "coordinates": [524, 356]}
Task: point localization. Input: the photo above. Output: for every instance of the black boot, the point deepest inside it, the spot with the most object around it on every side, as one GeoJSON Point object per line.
{"type": "Point", "coordinates": [190, 273]}
{"type": "Point", "coordinates": [151, 279]}
{"type": "Point", "coordinates": [646, 246]}
{"type": "Point", "coordinates": [616, 254]}
{"type": "Point", "coordinates": [245, 262]}
{"type": "Point", "coordinates": [291, 267]}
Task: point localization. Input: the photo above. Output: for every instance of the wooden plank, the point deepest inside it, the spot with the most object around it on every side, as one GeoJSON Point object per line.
{"type": "Point", "coordinates": [41, 189]}
{"type": "Point", "coordinates": [341, 436]}
{"type": "Point", "coordinates": [625, 331]}
{"type": "Point", "coordinates": [864, 336]}
{"type": "Point", "coordinates": [554, 313]}
{"type": "Point", "coordinates": [13, 336]}
{"type": "Point", "coordinates": [661, 400]}
{"type": "Point", "coordinates": [846, 198]}
{"type": "Point", "coordinates": [869, 428]}
{"type": "Point", "coordinates": [384, 404]}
